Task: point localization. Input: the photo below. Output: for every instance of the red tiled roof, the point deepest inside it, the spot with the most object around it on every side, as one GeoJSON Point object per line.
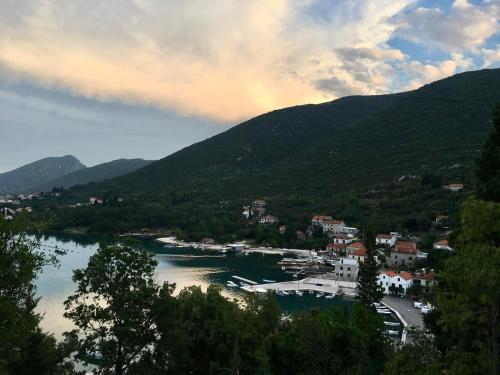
{"type": "Point", "coordinates": [390, 273]}
{"type": "Point", "coordinates": [337, 222]}
{"type": "Point", "coordinates": [405, 275]}
{"type": "Point", "coordinates": [406, 247]}
{"type": "Point", "coordinates": [431, 276]}
{"type": "Point", "coordinates": [359, 252]}
{"type": "Point", "coordinates": [384, 236]}
{"type": "Point", "coordinates": [456, 185]}
{"type": "Point", "coordinates": [357, 245]}
{"type": "Point", "coordinates": [336, 246]}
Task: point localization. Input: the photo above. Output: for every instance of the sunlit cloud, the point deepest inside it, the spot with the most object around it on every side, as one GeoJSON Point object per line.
{"type": "Point", "coordinates": [230, 60]}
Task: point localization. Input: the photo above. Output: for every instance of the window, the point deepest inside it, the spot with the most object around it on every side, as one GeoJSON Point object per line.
{"type": "Point", "coordinates": [341, 268]}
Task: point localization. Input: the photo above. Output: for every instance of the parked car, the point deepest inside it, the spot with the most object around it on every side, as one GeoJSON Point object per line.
{"type": "Point", "coordinates": [418, 305]}
{"type": "Point", "coordinates": [425, 310]}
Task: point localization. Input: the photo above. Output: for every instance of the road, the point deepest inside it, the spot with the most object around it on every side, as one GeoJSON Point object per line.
{"type": "Point", "coordinates": [405, 308]}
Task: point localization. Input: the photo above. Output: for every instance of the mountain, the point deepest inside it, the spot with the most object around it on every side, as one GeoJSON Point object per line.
{"type": "Point", "coordinates": [324, 149]}
{"type": "Point", "coordinates": [96, 173]}
{"type": "Point", "coordinates": [25, 178]}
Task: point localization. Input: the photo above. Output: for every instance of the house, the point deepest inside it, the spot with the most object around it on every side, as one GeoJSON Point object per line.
{"type": "Point", "coordinates": [282, 229]}
{"type": "Point", "coordinates": [393, 282]}
{"type": "Point", "coordinates": [454, 187]}
{"type": "Point", "coordinates": [425, 280]}
{"type": "Point", "coordinates": [247, 212]}
{"type": "Point", "coordinates": [384, 239]}
{"type": "Point", "coordinates": [352, 247]}
{"type": "Point", "coordinates": [343, 239]}
{"type": "Point", "coordinates": [337, 248]}
{"type": "Point", "coordinates": [300, 235]}
{"type": "Point", "coordinates": [333, 226]}
{"type": "Point", "coordinates": [268, 219]}
{"type": "Point", "coordinates": [259, 207]}
{"type": "Point", "coordinates": [403, 254]}
{"type": "Point", "coordinates": [442, 245]}
{"type": "Point", "coordinates": [317, 220]}
{"type": "Point", "coordinates": [346, 269]}
{"type": "Point", "coordinates": [7, 213]}
{"type": "Point", "coordinates": [359, 255]}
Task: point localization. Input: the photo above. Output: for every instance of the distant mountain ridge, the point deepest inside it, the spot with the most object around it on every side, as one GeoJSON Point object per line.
{"type": "Point", "coordinates": [96, 173]}
{"type": "Point", "coordinates": [352, 142]}
{"type": "Point", "coordinates": [25, 178]}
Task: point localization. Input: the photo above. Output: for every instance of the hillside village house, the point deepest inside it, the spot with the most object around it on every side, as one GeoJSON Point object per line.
{"type": "Point", "coordinates": [317, 220]}
{"type": "Point", "coordinates": [346, 269]}
{"type": "Point", "coordinates": [442, 245]}
{"type": "Point", "coordinates": [384, 239]}
{"type": "Point", "coordinates": [391, 281]}
{"type": "Point", "coordinates": [403, 254]}
{"type": "Point", "coordinates": [268, 219]}
{"type": "Point", "coordinates": [259, 207]}
{"type": "Point", "coordinates": [333, 226]}
{"type": "Point", "coordinates": [337, 248]}
{"type": "Point", "coordinates": [343, 239]}
{"type": "Point", "coordinates": [355, 246]}
{"type": "Point", "coordinates": [425, 280]}
{"type": "Point", "coordinates": [358, 255]}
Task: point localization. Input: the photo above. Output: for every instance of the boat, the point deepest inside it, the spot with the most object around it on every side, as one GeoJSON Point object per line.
{"type": "Point", "coordinates": [299, 293]}
{"type": "Point", "coordinates": [320, 294]}
{"type": "Point", "coordinates": [169, 245]}
{"type": "Point", "coordinates": [311, 291]}
{"type": "Point", "coordinates": [282, 293]}
{"type": "Point", "coordinates": [231, 284]}
{"type": "Point", "coordinates": [392, 324]}
{"type": "Point", "coordinates": [330, 296]}
{"type": "Point", "coordinates": [391, 332]}
{"type": "Point", "coordinates": [383, 312]}
{"type": "Point", "coordinates": [268, 281]}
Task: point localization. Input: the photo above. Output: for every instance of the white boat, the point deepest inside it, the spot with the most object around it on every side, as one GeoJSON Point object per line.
{"type": "Point", "coordinates": [384, 312]}
{"type": "Point", "coordinates": [311, 291]}
{"type": "Point", "coordinates": [268, 281]}
{"type": "Point", "coordinates": [330, 296]}
{"type": "Point", "coordinates": [282, 293]}
{"type": "Point", "coordinates": [392, 324]}
{"type": "Point", "coordinates": [391, 332]}
{"type": "Point", "coordinates": [299, 293]}
{"type": "Point", "coordinates": [320, 294]}
{"type": "Point", "coordinates": [231, 284]}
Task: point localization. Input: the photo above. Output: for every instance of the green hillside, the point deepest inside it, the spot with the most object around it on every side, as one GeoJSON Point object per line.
{"type": "Point", "coordinates": [96, 173]}
{"type": "Point", "coordinates": [334, 146]}
{"type": "Point", "coordinates": [342, 158]}
{"type": "Point", "coordinates": [25, 179]}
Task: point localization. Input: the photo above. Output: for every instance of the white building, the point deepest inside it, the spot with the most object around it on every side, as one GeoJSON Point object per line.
{"type": "Point", "coordinates": [317, 220]}
{"type": "Point", "coordinates": [390, 280]}
{"type": "Point", "coordinates": [384, 239]}
{"type": "Point", "coordinates": [346, 269]}
{"type": "Point", "coordinates": [333, 226]}
{"type": "Point", "coordinates": [343, 239]}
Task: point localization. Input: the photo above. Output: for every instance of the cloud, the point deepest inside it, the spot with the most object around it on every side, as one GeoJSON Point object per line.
{"type": "Point", "coordinates": [224, 60]}
{"type": "Point", "coordinates": [228, 60]}
{"type": "Point", "coordinates": [465, 26]}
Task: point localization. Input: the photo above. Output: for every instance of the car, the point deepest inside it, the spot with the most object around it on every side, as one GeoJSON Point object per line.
{"type": "Point", "coordinates": [418, 305]}
{"type": "Point", "coordinates": [425, 310]}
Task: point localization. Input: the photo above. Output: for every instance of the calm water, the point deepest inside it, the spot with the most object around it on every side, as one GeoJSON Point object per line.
{"type": "Point", "coordinates": [181, 266]}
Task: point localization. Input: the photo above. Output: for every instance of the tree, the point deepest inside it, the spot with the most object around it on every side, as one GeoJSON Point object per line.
{"type": "Point", "coordinates": [368, 289]}
{"type": "Point", "coordinates": [24, 347]}
{"type": "Point", "coordinates": [488, 164]}
{"type": "Point", "coordinates": [468, 293]}
{"type": "Point", "coordinates": [419, 357]}
{"type": "Point", "coordinates": [112, 308]}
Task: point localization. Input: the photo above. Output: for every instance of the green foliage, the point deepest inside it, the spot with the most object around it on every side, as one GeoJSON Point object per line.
{"type": "Point", "coordinates": [112, 308]}
{"type": "Point", "coordinates": [419, 357]}
{"type": "Point", "coordinates": [468, 293]}
{"type": "Point", "coordinates": [24, 347]}
{"type": "Point", "coordinates": [369, 291]}
{"type": "Point", "coordinates": [488, 164]}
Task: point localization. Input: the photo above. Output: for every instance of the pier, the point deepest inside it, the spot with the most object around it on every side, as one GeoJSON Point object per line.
{"type": "Point", "coordinates": [309, 283]}
{"type": "Point", "coordinates": [244, 280]}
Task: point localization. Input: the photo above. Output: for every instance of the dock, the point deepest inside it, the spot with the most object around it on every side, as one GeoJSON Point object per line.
{"type": "Point", "coordinates": [309, 283]}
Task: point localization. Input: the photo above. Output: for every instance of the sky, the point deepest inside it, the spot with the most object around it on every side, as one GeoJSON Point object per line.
{"type": "Point", "coordinates": [106, 79]}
